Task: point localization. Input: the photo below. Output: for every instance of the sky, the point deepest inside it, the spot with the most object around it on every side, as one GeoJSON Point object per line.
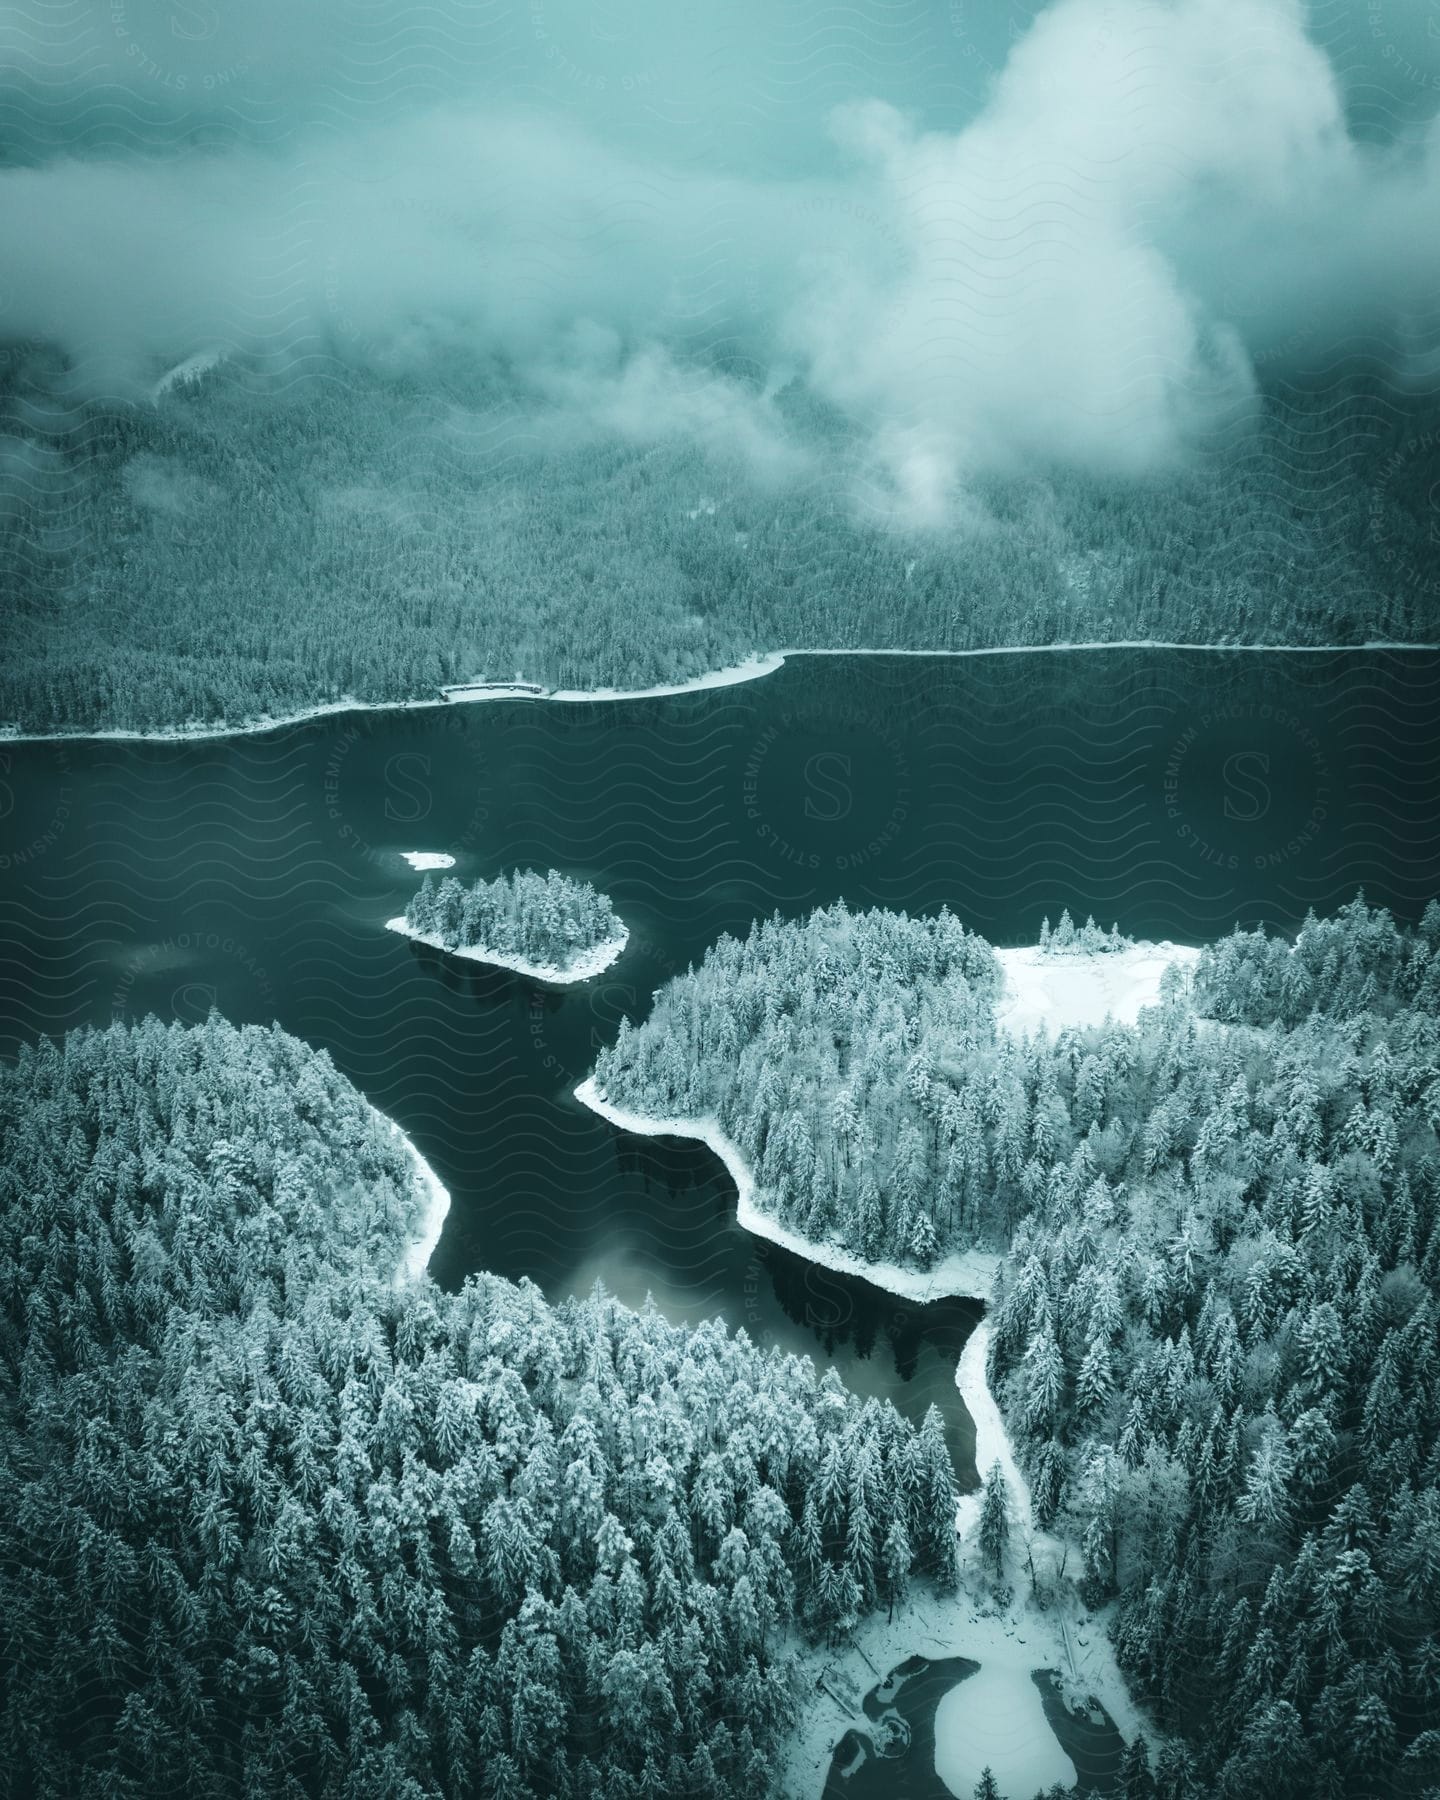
{"type": "Point", "coordinates": [982, 233]}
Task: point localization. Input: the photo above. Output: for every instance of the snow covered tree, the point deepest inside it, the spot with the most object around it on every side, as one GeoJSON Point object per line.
{"type": "Point", "coordinates": [994, 1521]}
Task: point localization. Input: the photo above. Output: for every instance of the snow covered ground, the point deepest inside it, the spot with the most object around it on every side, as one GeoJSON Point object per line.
{"type": "Point", "coordinates": [992, 1441]}
{"type": "Point", "coordinates": [968, 1274]}
{"type": "Point", "coordinates": [591, 963]}
{"type": "Point", "coordinates": [480, 692]}
{"type": "Point", "coordinates": [995, 1720]}
{"type": "Point", "coordinates": [995, 1717]}
{"type": "Point", "coordinates": [996, 1713]}
{"type": "Point", "coordinates": [437, 1204]}
{"type": "Point", "coordinates": [428, 859]}
{"type": "Point", "coordinates": [1053, 991]}
{"type": "Point", "coordinates": [750, 670]}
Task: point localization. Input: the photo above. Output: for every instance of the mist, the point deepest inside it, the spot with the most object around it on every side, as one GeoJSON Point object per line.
{"type": "Point", "coordinates": [1080, 236]}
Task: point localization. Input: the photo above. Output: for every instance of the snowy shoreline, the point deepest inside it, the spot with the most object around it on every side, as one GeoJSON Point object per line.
{"type": "Point", "coordinates": [995, 1717]}
{"type": "Point", "coordinates": [416, 1259]}
{"type": "Point", "coordinates": [584, 967]}
{"type": "Point", "coordinates": [753, 669]}
{"type": "Point", "coordinates": [1042, 990]}
{"type": "Point", "coordinates": [966, 1276]}
{"type": "Point", "coordinates": [992, 1441]}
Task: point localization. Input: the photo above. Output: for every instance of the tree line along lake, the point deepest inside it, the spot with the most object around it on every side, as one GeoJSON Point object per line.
{"type": "Point", "coordinates": [1177, 792]}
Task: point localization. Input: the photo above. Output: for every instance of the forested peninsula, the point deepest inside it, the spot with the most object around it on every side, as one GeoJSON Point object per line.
{"type": "Point", "coordinates": [272, 1523]}
{"type": "Point", "coordinates": [248, 544]}
{"type": "Point", "coordinates": [1215, 1321]}
{"type": "Point", "coordinates": [549, 927]}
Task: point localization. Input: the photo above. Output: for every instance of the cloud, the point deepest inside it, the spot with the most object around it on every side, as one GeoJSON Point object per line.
{"type": "Point", "coordinates": [1034, 311]}
{"type": "Point", "coordinates": [1151, 195]}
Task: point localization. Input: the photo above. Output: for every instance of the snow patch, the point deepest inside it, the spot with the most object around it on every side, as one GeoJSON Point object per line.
{"type": "Point", "coordinates": [428, 859]}
{"type": "Point", "coordinates": [590, 963]}
{"type": "Point", "coordinates": [750, 670]}
{"type": "Point", "coordinates": [992, 1441]}
{"type": "Point", "coordinates": [996, 1720]}
{"type": "Point", "coordinates": [1055, 991]}
{"type": "Point", "coordinates": [1008, 1643]}
{"type": "Point", "coordinates": [968, 1274]}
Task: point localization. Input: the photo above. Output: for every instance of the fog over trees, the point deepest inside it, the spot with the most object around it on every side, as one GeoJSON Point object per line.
{"type": "Point", "coordinates": [249, 546]}
{"type": "Point", "coordinates": [339, 361]}
{"type": "Point", "coordinates": [1215, 1327]}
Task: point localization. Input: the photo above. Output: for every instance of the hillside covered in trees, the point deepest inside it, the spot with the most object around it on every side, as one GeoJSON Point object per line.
{"type": "Point", "coordinates": [546, 922]}
{"type": "Point", "coordinates": [273, 1523]}
{"type": "Point", "coordinates": [253, 544]}
{"type": "Point", "coordinates": [1217, 1329]}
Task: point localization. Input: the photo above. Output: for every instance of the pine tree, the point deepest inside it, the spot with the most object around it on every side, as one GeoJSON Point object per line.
{"type": "Point", "coordinates": [895, 1559]}
{"type": "Point", "coordinates": [994, 1521]}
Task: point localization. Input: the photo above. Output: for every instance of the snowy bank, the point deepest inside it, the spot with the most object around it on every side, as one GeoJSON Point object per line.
{"type": "Point", "coordinates": [992, 1441]}
{"type": "Point", "coordinates": [420, 860]}
{"type": "Point", "coordinates": [463, 694]}
{"type": "Point", "coordinates": [966, 1275]}
{"type": "Point", "coordinates": [467, 693]}
{"type": "Point", "coordinates": [997, 1712]}
{"type": "Point", "coordinates": [1081, 1652]}
{"type": "Point", "coordinates": [584, 966]}
{"type": "Point", "coordinates": [1060, 990]}
{"type": "Point", "coordinates": [432, 1220]}
{"type": "Point", "coordinates": [1002, 1719]}
{"type": "Point", "coordinates": [187, 373]}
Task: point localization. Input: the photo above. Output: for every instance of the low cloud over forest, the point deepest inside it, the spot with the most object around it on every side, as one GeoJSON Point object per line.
{"type": "Point", "coordinates": [1077, 234]}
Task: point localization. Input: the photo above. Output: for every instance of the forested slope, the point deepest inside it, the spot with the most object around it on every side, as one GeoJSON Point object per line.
{"type": "Point", "coordinates": [1217, 1335]}
{"type": "Point", "coordinates": [252, 544]}
{"type": "Point", "coordinates": [270, 1524]}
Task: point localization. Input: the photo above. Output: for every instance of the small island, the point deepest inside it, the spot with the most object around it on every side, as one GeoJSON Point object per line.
{"type": "Point", "coordinates": [548, 927]}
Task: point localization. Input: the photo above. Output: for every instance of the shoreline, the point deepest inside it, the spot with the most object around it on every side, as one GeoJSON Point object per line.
{"type": "Point", "coordinates": [416, 1258]}
{"type": "Point", "coordinates": [584, 968]}
{"type": "Point", "coordinates": [753, 669]}
{"type": "Point", "coordinates": [967, 1276]}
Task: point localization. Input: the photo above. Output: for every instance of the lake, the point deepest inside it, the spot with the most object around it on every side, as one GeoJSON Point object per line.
{"type": "Point", "coordinates": [1176, 792]}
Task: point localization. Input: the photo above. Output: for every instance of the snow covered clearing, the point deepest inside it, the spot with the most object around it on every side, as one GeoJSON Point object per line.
{"type": "Point", "coordinates": [1055, 991]}
{"type": "Point", "coordinates": [995, 1720]}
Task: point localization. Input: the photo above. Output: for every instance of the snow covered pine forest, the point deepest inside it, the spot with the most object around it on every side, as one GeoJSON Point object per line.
{"type": "Point", "coordinates": [1215, 1312]}
{"type": "Point", "coordinates": [274, 1522]}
